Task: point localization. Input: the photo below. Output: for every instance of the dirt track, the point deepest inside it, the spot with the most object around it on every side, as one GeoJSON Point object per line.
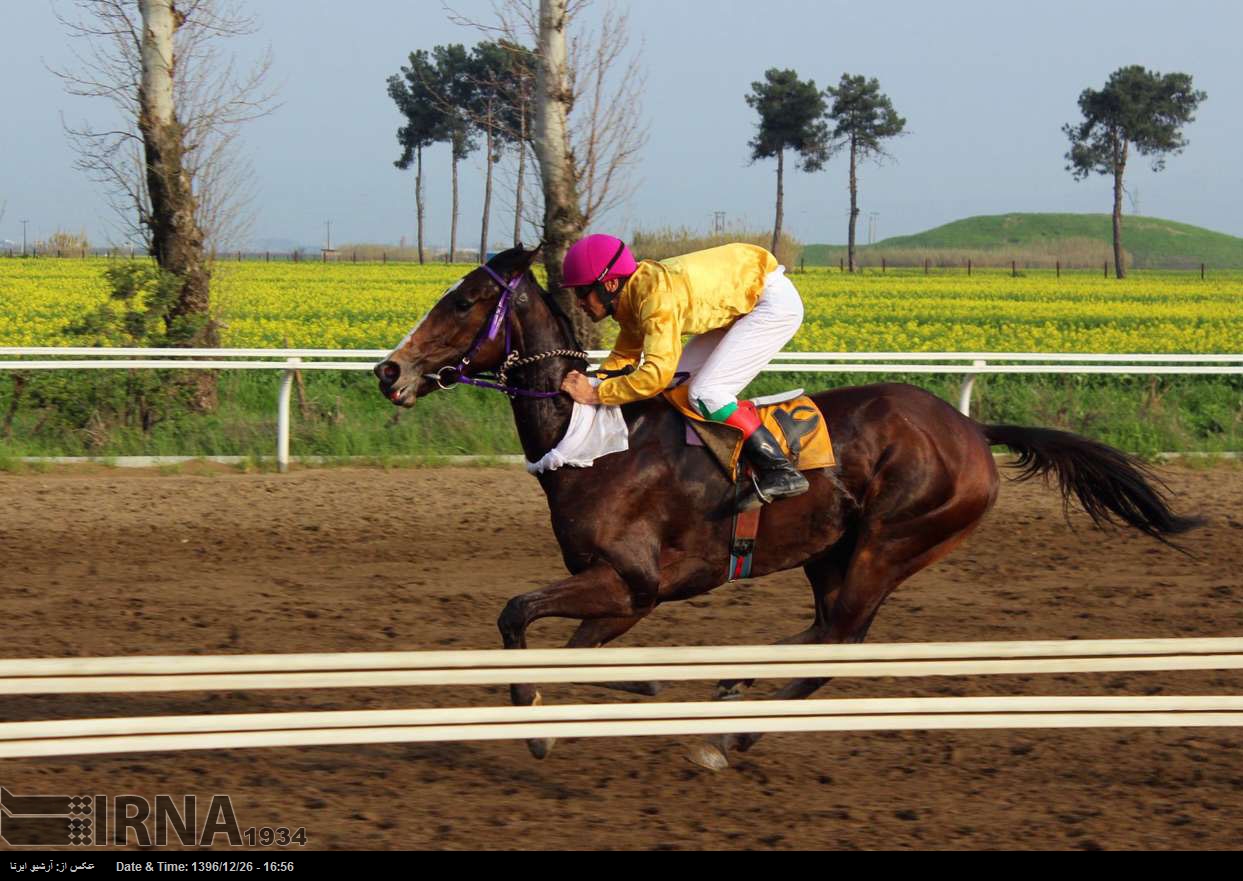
{"type": "Point", "coordinates": [355, 560]}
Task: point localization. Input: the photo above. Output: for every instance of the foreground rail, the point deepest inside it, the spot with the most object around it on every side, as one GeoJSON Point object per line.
{"type": "Point", "coordinates": [159, 673]}
{"type": "Point", "coordinates": [290, 361]}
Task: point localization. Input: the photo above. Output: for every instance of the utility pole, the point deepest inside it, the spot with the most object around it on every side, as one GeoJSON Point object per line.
{"type": "Point", "coordinates": [327, 235]}
{"type": "Point", "coordinates": [718, 222]}
{"type": "Point", "coordinates": [873, 220]}
{"type": "Point", "coordinates": [24, 222]}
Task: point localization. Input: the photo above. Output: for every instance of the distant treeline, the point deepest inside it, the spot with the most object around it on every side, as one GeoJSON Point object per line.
{"type": "Point", "coordinates": [1069, 253]}
{"type": "Point", "coordinates": [657, 244]}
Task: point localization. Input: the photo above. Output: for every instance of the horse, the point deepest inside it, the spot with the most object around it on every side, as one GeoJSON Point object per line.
{"type": "Point", "coordinates": [652, 525]}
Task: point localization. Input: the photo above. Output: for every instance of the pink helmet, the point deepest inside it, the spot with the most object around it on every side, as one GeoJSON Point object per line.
{"type": "Point", "coordinates": [594, 259]}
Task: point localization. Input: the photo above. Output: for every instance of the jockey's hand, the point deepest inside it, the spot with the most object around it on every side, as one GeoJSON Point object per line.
{"type": "Point", "coordinates": [579, 387]}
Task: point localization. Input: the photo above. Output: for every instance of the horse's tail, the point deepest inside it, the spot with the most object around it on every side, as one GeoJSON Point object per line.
{"type": "Point", "coordinates": [1112, 486]}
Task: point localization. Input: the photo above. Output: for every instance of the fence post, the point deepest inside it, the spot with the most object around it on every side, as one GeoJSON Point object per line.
{"type": "Point", "coordinates": [282, 414]}
{"type": "Point", "coordinates": [841, 262]}
{"type": "Point", "coordinates": [925, 266]}
{"type": "Point", "coordinates": [1059, 269]}
{"type": "Point", "coordinates": [1014, 269]}
{"type": "Point", "coordinates": [968, 268]}
{"type": "Point", "coordinates": [268, 257]}
{"type": "Point", "coordinates": [882, 265]}
{"type": "Point", "coordinates": [1106, 269]}
{"type": "Point", "coordinates": [1201, 272]}
{"type": "Point", "coordinates": [964, 396]}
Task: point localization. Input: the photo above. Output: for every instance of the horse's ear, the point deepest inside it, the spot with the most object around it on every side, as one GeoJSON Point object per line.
{"type": "Point", "coordinates": [529, 257]}
{"type": "Point", "coordinates": [515, 261]}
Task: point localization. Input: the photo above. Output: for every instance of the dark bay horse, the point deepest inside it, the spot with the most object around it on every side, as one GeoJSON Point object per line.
{"type": "Point", "coordinates": [652, 524]}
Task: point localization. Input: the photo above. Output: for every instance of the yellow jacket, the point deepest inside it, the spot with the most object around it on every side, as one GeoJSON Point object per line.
{"type": "Point", "coordinates": [691, 294]}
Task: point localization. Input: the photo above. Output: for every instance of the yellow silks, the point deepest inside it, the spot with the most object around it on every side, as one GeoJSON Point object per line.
{"type": "Point", "coordinates": [663, 300]}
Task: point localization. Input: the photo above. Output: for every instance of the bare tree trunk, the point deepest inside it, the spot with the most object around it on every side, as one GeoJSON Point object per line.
{"type": "Point", "coordinates": [563, 220]}
{"type": "Point", "coordinates": [781, 164]}
{"type": "Point", "coordinates": [854, 204]}
{"type": "Point", "coordinates": [181, 100]}
{"type": "Point", "coordinates": [418, 195]}
{"type": "Point", "coordinates": [1120, 151]}
{"type": "Point", "coordinates": [453, 220]}
{"type": "Point", "coordinates": [176, 240]}
{"type": "Point", "coordinates": [487, 193]}
{"type": "Point", "coordinates": [522, 168]}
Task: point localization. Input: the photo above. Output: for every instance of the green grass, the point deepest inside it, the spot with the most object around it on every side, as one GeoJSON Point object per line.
{"type": "Point", "coordinates": [1150, 242]}
{"type": "Point", "coordinates": [345, 416]}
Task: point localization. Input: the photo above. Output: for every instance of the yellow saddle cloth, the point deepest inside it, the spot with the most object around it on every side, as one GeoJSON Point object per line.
{"type": "Point", "coordinates": [797, 424]}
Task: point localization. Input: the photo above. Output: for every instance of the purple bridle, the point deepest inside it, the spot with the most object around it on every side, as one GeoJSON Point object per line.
{"type": "Point", "coordinates": [499, 317]}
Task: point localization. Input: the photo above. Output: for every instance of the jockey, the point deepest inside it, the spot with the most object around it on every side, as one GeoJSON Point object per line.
{"type": "Point", "coordinates": [737, 302]}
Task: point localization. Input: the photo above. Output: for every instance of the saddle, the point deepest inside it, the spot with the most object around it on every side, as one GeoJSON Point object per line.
{"type": "Point", "coordinates": [797, 424]}
{"type": "Point", "coordinates": [793, 418]}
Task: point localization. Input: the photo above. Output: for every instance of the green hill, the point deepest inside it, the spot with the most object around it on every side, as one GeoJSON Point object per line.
{"type": "Point", "coordinates": [1150, 243]}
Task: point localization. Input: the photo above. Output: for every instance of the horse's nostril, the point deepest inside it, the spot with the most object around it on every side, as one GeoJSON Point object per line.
{"type": "Point", "coordinates": [388, 372]}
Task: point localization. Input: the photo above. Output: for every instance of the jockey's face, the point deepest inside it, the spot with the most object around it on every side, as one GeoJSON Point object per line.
{"type": "Point", "coordinates": [589, 300]}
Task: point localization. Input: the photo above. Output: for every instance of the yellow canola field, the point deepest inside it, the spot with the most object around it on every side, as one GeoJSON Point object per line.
{"type": "Point", "coordinates": [371, 306]}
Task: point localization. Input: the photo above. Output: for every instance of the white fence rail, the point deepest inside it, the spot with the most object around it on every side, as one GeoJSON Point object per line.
{"type": "Point", "coordinates": [289, 361]}
{"type": "Point", "coordinates": [220, 731]}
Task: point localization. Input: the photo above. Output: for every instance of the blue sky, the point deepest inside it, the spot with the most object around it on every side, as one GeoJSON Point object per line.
{"type": "Point", "coordinates": [985, 88]}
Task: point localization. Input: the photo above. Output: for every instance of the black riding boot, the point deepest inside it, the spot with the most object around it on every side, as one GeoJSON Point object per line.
{"type": "Point", "coordinates": [775, 478]}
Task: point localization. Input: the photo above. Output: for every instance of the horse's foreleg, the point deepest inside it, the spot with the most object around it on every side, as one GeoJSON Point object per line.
{"type": "Point", "coordinates": [875, 571]}
{"type": "Point", "coordinates": [680, 576]}
{"type": "Point", "coordinates": [597, 593]}
{"type": "Point", "coordinates": [826, 577]}
{"type": "Point", "coordinates": [593, 634]}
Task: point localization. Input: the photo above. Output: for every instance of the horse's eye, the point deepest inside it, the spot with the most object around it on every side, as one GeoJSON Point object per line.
{"type": "Point", "coordinates": [462, 305]}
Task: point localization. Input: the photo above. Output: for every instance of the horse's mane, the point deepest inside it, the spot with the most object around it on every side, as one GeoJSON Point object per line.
{"type": "Point", "coordinates": [517, 258]}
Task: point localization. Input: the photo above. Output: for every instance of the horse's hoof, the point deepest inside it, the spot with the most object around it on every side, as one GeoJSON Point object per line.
{"type": "Point", "coordinates": [705, 755]}
{"type": "Point", "coordinates": [540, 747]}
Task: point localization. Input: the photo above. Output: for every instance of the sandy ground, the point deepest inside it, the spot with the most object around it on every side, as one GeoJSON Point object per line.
{"type": "Point", "coordinates": [360, 560]}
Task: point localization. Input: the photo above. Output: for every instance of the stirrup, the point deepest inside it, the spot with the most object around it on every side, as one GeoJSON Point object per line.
{"type": "Point", "coordinates": [764, 499]}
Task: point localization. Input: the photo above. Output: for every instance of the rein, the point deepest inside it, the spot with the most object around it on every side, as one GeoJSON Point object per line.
{"type": "Point", "coordinates": [513, 359]}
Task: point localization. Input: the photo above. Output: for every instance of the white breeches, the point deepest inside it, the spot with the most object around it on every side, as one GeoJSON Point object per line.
{"type": "Point", "coordinates": [723, 362]}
